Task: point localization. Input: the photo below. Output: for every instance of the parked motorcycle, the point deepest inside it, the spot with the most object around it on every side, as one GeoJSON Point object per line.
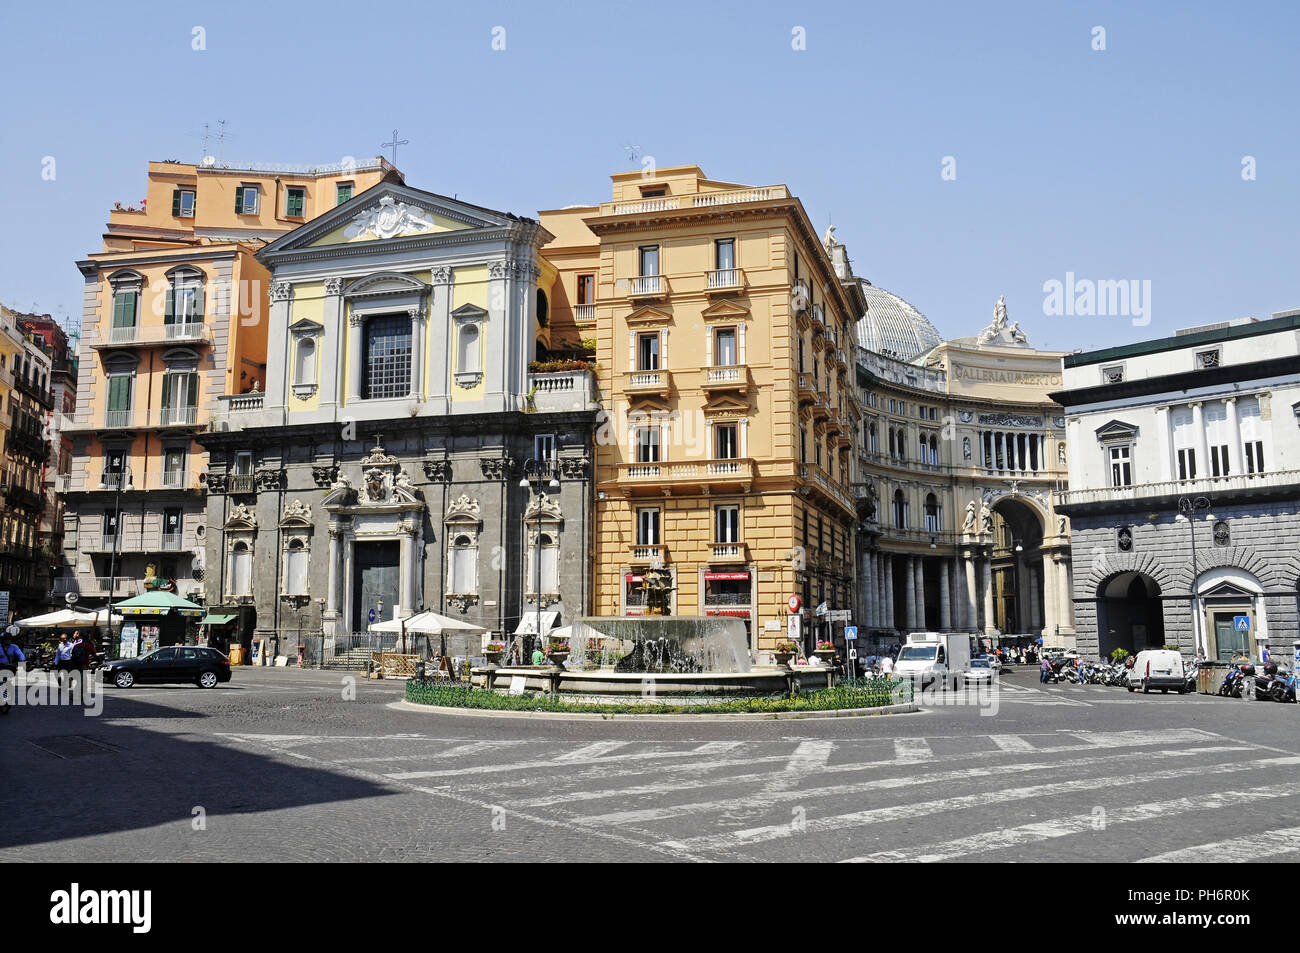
{"type": "Point", "coordinates": [1275, 684]}
{"type": "Point", "coordinates": [1234, 681]}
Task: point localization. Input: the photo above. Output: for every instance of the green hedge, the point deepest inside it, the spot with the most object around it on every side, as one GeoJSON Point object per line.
{"type": "Point", "coordinates": [856, 693]}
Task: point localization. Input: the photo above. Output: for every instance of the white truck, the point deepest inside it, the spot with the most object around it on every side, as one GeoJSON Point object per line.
{"type": "Point", "coordinates": [941, 658]}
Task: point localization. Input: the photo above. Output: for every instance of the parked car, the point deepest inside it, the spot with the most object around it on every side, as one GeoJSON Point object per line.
{"type": "Point", "coordinates": [982, 670]}
{"type": "Point", "coordinates": [1157, 668]}
{"type": "Point", "coordinates": [198, 664]}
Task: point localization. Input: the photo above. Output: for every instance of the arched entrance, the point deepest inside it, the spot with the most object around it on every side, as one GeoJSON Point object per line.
{"type": "Point", "coordinates": [1130, 614]}
{"type": "Point", "coordinates": [1017, 568]}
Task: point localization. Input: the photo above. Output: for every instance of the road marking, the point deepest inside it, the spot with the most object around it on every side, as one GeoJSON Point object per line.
{"type": "Point", "coordinates": [769, 797]}
{"type": "Point", "coordinates": [715, 747]}
{"type": "Point", "coordinates": [909, 750]}
{"type": "Point", "coordinates": [840, 822]}
{"type": "Point", "coordinates": [1109, 739]}
{"type": "Point", "coordinates": [1011, 743]}
{"type": "Point", "coordinates": [1236, 850]}
{"type": "Point", "coordinates": [592, 751]}
{"type": "Point", "coordinates": [1082, 823]}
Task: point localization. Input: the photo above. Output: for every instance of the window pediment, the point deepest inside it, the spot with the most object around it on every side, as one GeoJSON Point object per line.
{"type": "Point", "coordinates": [468, 313]}
{"type": "Point", "coordinates": [306, 327]}
{"type": "Point", "coordinates": [385, 283]}
{"type": "Point", "coordinates": [1227, 590]}
{"type": "Point", "coordinates": [648, 317]}
{"type": "Point", "coordinates": [1116, 430]}
{"type": "Point", "coordinates": [726, 310]}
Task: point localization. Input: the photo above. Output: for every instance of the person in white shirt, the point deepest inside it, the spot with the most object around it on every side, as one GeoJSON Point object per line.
{"type": "Point", "coordinates": [886, 666]}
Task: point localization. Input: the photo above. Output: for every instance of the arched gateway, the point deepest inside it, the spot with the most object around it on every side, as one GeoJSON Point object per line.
{"type": "Point", "coordinates": [1130, 614]}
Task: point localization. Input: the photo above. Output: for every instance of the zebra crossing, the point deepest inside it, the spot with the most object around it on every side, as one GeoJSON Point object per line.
{"type": "Point", "coordinates": [1123, 795]}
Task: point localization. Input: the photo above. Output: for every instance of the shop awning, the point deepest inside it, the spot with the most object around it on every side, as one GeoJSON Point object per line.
{"type": "Point", "coordinates": [528, 624]}
{"type": "Point", "coordinates": [159, 603]}
{"type": "Point", "coordinates": [215, 619]}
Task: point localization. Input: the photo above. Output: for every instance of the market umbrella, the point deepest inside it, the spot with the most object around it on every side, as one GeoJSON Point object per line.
{"type": "Point", "coordinates": [62, 618]}
{"type": "Point", "coordinates": [426, 623]}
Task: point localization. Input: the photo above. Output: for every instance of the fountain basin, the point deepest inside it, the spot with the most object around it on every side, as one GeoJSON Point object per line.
{"type": "Point", "coordinates": [765, 680]}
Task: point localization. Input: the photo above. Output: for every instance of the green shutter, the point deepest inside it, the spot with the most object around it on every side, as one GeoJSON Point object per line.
{"type": "Point", "coordinates": [198, 304]}
{"type": "Point", "coordinates": [169, 313]}
{"type": "Point", "coordinates": [192, 392]}
{"type": "Point", "coordinates": [119, 392]}
{"type": "Point", "coordinates": [176, 202]}
{"type": "Point", "coordinates": [239, 201]}
{"type": "Point", "coordinates": [124, 309]}
{"type": "Point", "coordinates": [167, 392]}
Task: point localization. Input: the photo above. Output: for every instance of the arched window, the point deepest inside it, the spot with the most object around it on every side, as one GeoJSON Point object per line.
{"type": "Point", "coordinates": [464, 565]}
{"type": "Point", "coordinates": [304, 371]}
{"type": "Point", "coordinates": [295, 569]}
{"type": "Point", "coordinates": [543, 310]}
{"type": "Point", "coordinates": [893, 451]}
{"type": "Point", "coordinates": [549, 551]}
{"type": "Point", "coordinates": [933, 513]}
{"type": "Point", "coordinates": [934, 451]}
{"type": "Point", "coordinates": [900, 510]}
{"type": "Point", "coordinates": [241, 570]}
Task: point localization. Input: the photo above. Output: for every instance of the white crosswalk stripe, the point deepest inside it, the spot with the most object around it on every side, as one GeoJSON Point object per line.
{"type": "Point", "coordinates": [1235, 850]}
{"type": "Point", "coordinates": [912, 749]}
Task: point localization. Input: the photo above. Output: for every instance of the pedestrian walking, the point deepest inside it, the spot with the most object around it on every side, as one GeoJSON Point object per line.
{"type": "Point", "coordinates": [1043, 668]}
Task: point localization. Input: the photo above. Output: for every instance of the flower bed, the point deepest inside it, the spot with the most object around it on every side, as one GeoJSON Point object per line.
{"type": "Point", "coordinates": [853, 693]}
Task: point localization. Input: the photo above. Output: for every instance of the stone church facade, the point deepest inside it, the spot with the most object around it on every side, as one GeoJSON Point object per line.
{"type": "Point", "coordinates": [403, 456]}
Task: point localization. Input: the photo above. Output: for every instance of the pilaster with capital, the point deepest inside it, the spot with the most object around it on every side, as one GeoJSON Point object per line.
{"type": "Point", "coordinates": [328, 349]}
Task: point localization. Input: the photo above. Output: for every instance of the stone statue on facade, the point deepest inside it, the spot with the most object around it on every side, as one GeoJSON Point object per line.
{"type": "Point", "coordinates": [968, 525]}
{"type": "Point", "coordinates": [986, 519]}
{"type": "Point", "coordinates": [828, 240]}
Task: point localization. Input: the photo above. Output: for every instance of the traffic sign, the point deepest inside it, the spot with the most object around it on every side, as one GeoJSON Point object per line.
{"type": "Point", "coordinates": [850, 633]}
{"type": "Point", "coordinates": [839, 615]}
{"type": "Point", "coordinates": [1242, 623]}
{"type": "Point", "coordinates": [371, 616]}
{"type": "Point", "coordinates": [853, 654]}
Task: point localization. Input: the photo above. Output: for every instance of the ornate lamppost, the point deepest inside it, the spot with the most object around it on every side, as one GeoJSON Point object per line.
{"type": "Point", "coordinates": [1188, 505]}
{"type": "Point", "coordinates": [535, 472]}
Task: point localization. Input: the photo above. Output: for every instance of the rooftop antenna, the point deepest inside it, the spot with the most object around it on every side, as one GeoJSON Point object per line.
{"type": "Point", "coordinates": [394, 144]}
{"type": "Point", "coordinates": [221, 139]}
{"type": "Point", "coordinates": [633, 154]}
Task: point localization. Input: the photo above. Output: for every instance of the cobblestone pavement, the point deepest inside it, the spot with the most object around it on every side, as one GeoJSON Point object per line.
{"type": "Point", "coordinates": [279, 766]}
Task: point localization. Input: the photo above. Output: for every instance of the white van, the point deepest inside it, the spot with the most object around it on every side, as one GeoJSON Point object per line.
{"type": "Point", "coordinates": [941, 658]}
{"type": "Point", "coordinates": [1157, 668]}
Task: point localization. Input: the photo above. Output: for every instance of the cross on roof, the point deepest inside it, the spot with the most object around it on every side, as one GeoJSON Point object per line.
{"type": "Point", "coordinates": [394, 144]}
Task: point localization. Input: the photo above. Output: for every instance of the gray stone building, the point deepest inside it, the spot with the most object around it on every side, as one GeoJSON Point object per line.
{"type": "Point", "coordinates": [1184, 491]}
{"type": "Point", "coordinates": [403, 455]}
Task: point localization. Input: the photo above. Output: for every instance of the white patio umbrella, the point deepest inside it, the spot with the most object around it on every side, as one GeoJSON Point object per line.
{"type": "Point", "coordinates": [426, 623]}
{"type": "Point", "coordinates": [60, 618]}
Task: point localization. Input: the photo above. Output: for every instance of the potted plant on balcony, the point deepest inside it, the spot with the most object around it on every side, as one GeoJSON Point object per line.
{"type": "Point", "coordinates": [493, 652]}
{"type": "Point", "coordinates": [785, 651]}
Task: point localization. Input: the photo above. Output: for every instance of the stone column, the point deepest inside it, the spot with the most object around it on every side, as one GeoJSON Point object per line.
{"type": "Point", "coordinates": [972, 594]}
{"type": "Point", "coordinates": [909, 594]}
{"type": "Point", "coordinates": [1050, 594]}
{"type": "Point", "coordinates": [890, 618]}
{"type": "Point", "coordinates": [1012, 455]}
{"type": "Point", "coordinates": [331, 615]}
{"type": "Point", "coordinates": [919, 579]}
{"type": "Point", "coordinates": [1202, 445]}
{"type": "Point", "coordinates": [873, 591]}
{"type": "Point", "coordinates": [1032, 620]}
{"type": "Point", "coordinates": [1067, 613]}
{"type": "Point", "coordinates": [279, 366]}
{"type": "Point", "coordinates": [439, 332]}
{"type": "Point", "coordinates": [329, 344]}
{"type": "Point", "coordinates": [417, 351]}
{"type": "Point", "coordinates": [406, 573]}
{"type": "Point", "coordinates": [1235, 464]}
{"type": "Point", "coordinates": [356, 355]}
{"type": "Point", "coordinates": [987, 584]}
{"type": "Point", "coordinates": [945, 597]}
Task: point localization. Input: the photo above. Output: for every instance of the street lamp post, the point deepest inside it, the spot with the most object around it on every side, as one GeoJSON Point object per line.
{"type": "Point", "coordinates": [535, 471]}
{"type": "Point", "coordinates": [1188, 506]}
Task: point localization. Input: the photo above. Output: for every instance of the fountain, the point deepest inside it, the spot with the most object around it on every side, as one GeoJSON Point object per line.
{"type": "Point", "coordinates": [653, 656]}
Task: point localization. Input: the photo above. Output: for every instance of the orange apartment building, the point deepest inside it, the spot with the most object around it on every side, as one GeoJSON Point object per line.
{"type": "Point", "coordinates": [725, 365]}
{"type": "Point", "coordinates": [174, 317]}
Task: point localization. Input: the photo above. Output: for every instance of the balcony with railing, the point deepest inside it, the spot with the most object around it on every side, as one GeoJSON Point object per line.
{"type": "Point", "coordinates": [695, 200]}
{"type": "Point", "coordinates": [173, 542]}
{"type": "Point", "coordinates": [807, 389]}
{"type": "Point", "coordinates": [819, 481]}
{"type": "Point", "coordinates": [728, 553]}
{"type": "Point", "coordinates": [727, 377]}
{"type": "Point", "coordinates": [185, 332]}
{"type": "Point", "coordinates": [647, 286]}
{"type": "Point", "coordinates": [177, 417]}
{"type": "Point", "coordinates": [242, 483]}
{"type": "Point", "coordinates": [119, 587]}
{"type": "Point", "coordinates": [724, 279]}
{"type": "Point", "coordinates": [172, 479]}
{"type": "Point", "coordinates": [657, 381]}
{"type": "Point", "coordinates": [737, 471]}
{"type": "Point", "coordinates": [554, 391]}
{"type": "Point", "coordinates": [584, 313]}
{"type": "Point", "coordinates": [236, 411]}
{"type": "Point", "coordinates": [1270, 484]}
{"type": "Point", "coordinates": [651, 554]}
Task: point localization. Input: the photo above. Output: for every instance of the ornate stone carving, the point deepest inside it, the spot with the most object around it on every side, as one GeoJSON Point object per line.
{"type": "Point", "coordinates": [378, 458]}
{"type": "Point", "coordinates": [356, 320]}
{"type": "Point", "coordinates": [324, 476]}
{"type": "Point", "coordinates": [389, 219]}
{"type": "Point", "coordinates": [462, 601]}
{"type": "Point", "coordinates": [1058, 423]}
{"type": "Point", "coordinates": [441, 276]}
{"type": "Point", "coordinates": [334, 286]}
{"type": "Point", "coordinates": [241, 517]}
{"type": "Point", "coordinates": [403, 481]}
{"type": "Point", "coordinates": [1011, 420]}
{"type": "Point", "coordinates": [574, 468]}
{"type": "Point", "coordinates": [374, 483]}
{"type": "Point", "coordinates": [999, 333]}
{"type": "Point", "coordinates": [986, 518]}
{"type": "Point", "coordinates": [464, 508]}
{"type": "Point", "coordinates": [216, 483]}
{"type": "Point", "coordinates": [269, 479]}
{"type": "Point", "coordinates": [280, 290]}
{"type": "Point", "coordinates": [297, 510]}
{"type": "Point", "coordinates": [497, 468]}
{"type": "Point", "coordinates": [968, 525]}
{"type": "Point", "coordinates": [965, 416]}
{"type": "Point", "coordinates": [438, 471]}
{"type": "Point", "coordinates": [542, 508]}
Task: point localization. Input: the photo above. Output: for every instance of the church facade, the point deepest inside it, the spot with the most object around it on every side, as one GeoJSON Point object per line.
{"type": "Point", "coordinates": [406, 453]}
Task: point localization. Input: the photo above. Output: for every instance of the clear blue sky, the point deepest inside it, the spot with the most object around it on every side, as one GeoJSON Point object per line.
{"type": "Point", "coordinates": [1122, 164]}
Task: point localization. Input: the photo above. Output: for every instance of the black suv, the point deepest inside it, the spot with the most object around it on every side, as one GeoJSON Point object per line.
{"type": "Point", "coordinates": [198, 664]}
